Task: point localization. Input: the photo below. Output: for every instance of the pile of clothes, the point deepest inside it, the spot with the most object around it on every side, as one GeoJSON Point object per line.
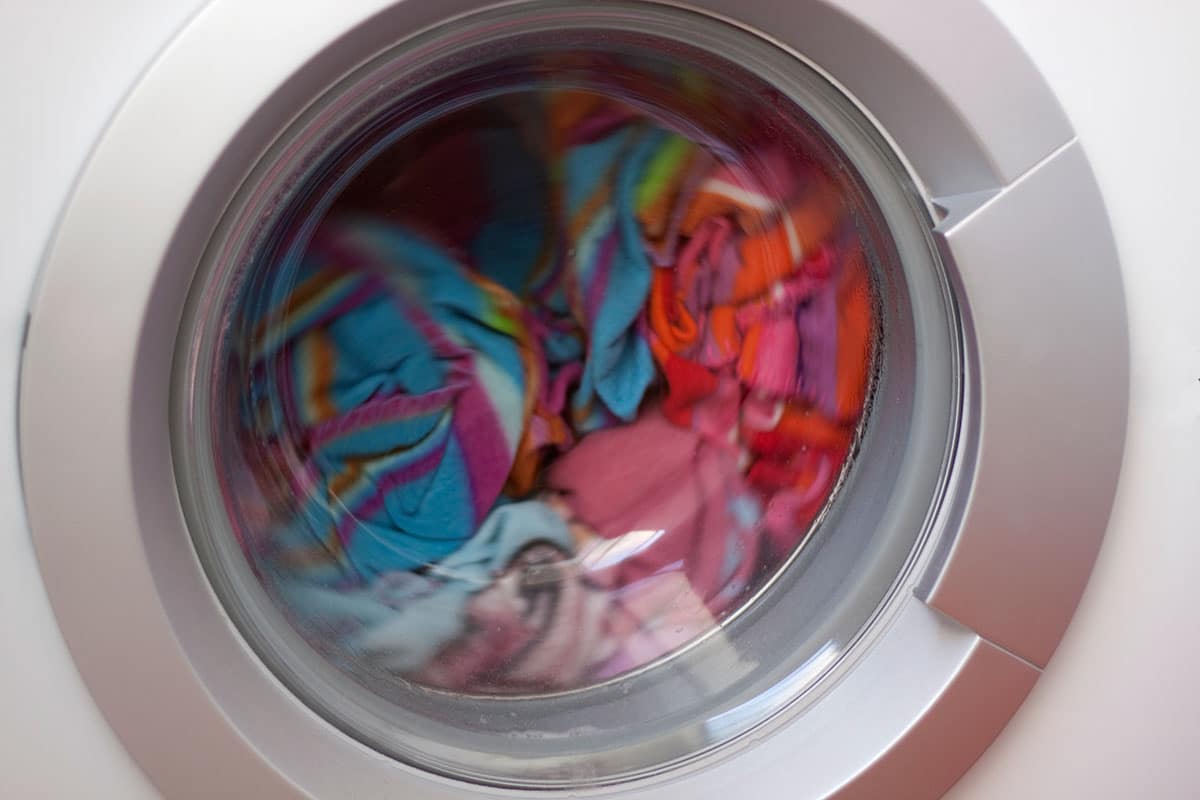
{"type": "Point", "coordinates": [553, 395]}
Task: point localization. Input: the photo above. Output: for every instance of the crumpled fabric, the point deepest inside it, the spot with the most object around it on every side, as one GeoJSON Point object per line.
{"type": "Point", "coordinates": [553, 396]}
{"type": "Point", "coordinates": [417, 387]}
{"type": "Point", "coordinates": [768, 290]}
{"type": "Point", "coordinates": [402, 618]}
{"type": "Point", "coordinates": [392, 400]}
{"type": "Point", "coordinates": [552, 620]}
{"type": "Point", "coordinates": [690, 514]}
{"type": "Point", "coordinates": [512, 609]}
{"type": "Point", "coordinates": [564, 631]}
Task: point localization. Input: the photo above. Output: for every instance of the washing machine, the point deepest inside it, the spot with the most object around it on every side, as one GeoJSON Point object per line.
{"type": "Point", "coordinates": [451, 399]}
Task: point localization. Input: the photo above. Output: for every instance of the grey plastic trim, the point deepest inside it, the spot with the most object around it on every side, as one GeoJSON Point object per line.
{"type": "Point", "coordinates": [947, 81]}
{"type": "Point", "coordinates": [1046, 404]}
{"type": "Point", "coordinates": [969, 113]}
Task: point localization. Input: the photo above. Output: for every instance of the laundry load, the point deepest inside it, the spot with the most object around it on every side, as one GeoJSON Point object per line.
{"type": "Point", "coordinates": [552, 392]}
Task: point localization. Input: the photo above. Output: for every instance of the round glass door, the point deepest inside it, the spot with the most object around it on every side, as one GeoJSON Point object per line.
{"type": "Point", "coordinates": [566, 393]}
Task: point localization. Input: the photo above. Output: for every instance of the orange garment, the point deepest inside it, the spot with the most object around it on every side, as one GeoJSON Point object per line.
{"type": "Point", "coordinates": [775, 253]}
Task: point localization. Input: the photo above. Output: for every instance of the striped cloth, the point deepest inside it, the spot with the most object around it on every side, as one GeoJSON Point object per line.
{"type": "Point", "coordinates": [393, 400]}
{"type": "Point", "coordinates": [404, 381]}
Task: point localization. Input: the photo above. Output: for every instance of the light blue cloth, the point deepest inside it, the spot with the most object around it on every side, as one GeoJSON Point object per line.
{"type": "Point", "coordinates": [403, 619]}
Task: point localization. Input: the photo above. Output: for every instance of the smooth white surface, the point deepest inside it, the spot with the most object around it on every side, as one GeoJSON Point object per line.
{"type": "Point", "coordinates": [1116, 714]}
{"type": "Point", "coordinates": [65, 66]}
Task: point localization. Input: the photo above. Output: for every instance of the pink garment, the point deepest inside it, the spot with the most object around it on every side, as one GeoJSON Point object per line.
{"type": "Point", "coordinates": [677, 493]}
{"type": "Point", "coordinates": [772, 367]}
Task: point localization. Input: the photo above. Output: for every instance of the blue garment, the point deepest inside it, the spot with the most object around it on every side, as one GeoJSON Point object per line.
{"type": "Point", "coordinates": [394, 380]}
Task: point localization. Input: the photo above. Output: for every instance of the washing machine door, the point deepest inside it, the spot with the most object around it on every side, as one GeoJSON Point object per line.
{"type": "Point", "coordinates": [447, 399]}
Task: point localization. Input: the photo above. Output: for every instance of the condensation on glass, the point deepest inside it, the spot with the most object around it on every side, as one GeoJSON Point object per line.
{"type": "Point", "coordinates": [513, 414]}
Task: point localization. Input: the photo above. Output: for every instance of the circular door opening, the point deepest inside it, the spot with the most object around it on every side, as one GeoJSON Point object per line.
{"type": "Point", "coordinates": [566, 393]}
